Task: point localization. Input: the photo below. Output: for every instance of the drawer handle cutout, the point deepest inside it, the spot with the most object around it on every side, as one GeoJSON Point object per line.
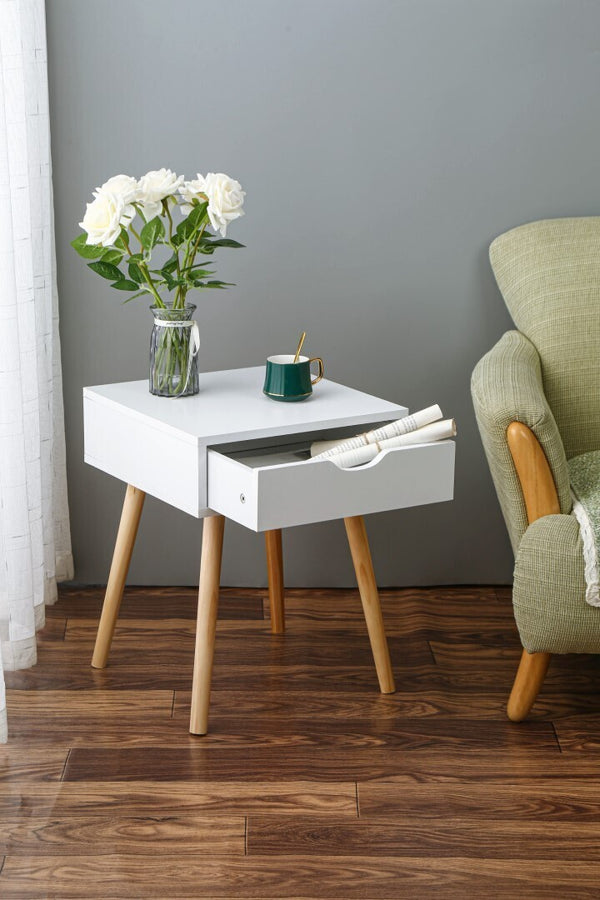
{"type": "Point", "coordinates": [380, 456]}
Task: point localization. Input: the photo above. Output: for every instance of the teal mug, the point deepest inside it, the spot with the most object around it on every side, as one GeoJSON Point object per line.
{"type": "Point", "coordinates": [288, 380]}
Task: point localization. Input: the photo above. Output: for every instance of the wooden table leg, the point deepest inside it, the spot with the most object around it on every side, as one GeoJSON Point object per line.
{"type": "Point", "coordinates": [275, 573]}
{"type": "Point", "coordinates": [208, 601]}
{"type": "Point", "coordinates": [130, 519]}
{"type": "Point", "coordinates": [369, 595]}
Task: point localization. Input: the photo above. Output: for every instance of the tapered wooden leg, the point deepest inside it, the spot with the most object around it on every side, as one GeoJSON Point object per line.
{"type": "Point", "coordinates": [275, 573]}
{"type": "Point", "coordinates": [363, 566]}
{"type": "Point", "coordinates": [530, 677]}
{"type": "Point", "coordinates": [208, 601]}
{"type": "Point", "coordinates": [130, 519]}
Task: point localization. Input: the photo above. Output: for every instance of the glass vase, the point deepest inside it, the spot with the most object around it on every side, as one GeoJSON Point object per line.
{"type": "Point", "coordinates": [174, 345]}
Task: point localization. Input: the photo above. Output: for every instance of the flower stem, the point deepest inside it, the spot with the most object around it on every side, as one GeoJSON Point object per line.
{"type": "Point", "coordinates": [169, 371]}
{"type": "Point", "coordinates": [134, 232]}
{"type": "Point", "coordinates": [179, 301]}
{"type": "Point", "coordinates": [191, 256]}
{"type": "Point", "coordinates": [143, 268]}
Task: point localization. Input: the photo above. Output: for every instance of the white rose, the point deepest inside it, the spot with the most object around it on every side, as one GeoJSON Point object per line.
{"type": "Point", "coordinates": [127, 188]}
{"type": "Point", "coordinates": [103, 219]}
{"type": "Point", "coordinates": [189, 191]}
{"type": "Point", "coordinates": [225, 199]}
{"type": "Point", "coordinates": [124, 186]}
{"type": "Point", "coordinates": [155, 186]}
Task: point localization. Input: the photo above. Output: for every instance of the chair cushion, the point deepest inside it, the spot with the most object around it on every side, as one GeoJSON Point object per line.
{"type": "Point", "coordinates": [551, 611]}
{"type": "Point", "coordinates": [549, 275]}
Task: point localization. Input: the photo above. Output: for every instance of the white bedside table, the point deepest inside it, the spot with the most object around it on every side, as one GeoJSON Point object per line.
{"type": "Point", "coordinates": [230, 452]}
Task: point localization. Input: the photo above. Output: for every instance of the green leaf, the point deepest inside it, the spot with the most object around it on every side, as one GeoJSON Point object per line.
{"type": "Point", "coordinates": [139, 294]}
{"type": "Point", "coordinates": [219, 285]}
{"type": "Point", "coordinates": [192, 222]}
{"type": "Point", "coordinates": [136, 257]}
{"type": "Point", "coordinates": [171, 282]}
{"type": "Point", "coordinates": [197, 214]}
{"type": "Point", "coordinates": [183, 231]}
{"type": "Point", "coordinates": [138, 209]}
{"type": "Point", "coordinates": [107, 270]}
{"type": "Point", "coordinates": [125, 285]}
{"type": "Point", "coordinates": [88, 251]}
{"type": "Point", "coordinates": [197, 272]}
{"type": "Point", "coordinates": [135, 273]}
{"type": "Point", "coordinates": [224, 242]}
{"type": "Point", "coordinates": [171, 264]}
{"type": "Point", "coordinates": [151, 233]}
{"type": "Point", "coordinates": [122, 241]}
{"type": "Point", "coordinates": [112, 256]}
{"type": "Point", "coordinates": [168, 278]}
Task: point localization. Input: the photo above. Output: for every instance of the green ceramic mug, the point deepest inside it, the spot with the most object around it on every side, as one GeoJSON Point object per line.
{"type": "Point", "coordinates": [288, 380]}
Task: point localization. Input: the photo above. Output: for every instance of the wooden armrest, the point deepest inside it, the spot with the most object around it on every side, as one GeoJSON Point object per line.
{"type": "Point", "coordinates": [541, 499]}
{"type": "Point", "coordinates": [537, 483]}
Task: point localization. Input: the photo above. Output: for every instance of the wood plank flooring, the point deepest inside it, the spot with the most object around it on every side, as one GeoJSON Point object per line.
{"type": "Point", "coordinates": [310, 784]}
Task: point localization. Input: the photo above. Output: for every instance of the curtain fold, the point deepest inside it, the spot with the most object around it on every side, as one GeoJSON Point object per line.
{"type": "Point", "coordinates": [35, 541]}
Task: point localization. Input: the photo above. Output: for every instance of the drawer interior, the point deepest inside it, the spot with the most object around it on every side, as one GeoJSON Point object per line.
{"type": "Point", "coordinates": [275, 455]}
{"type": "Point", "coordinates": [294, 443]}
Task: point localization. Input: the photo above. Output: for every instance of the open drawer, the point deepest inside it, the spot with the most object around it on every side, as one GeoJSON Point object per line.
{"type": "Point", "coordinates": [277, 487]}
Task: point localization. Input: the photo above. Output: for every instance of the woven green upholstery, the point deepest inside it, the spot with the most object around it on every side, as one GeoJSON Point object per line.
{"type": "Point", "coordinates": [506, 386]}
{"type": "Point", "coordinates": [546, 375]}
{"type": "Point", "coordinates": [549, 590]}
{"type": "Point", "coordinates": [549, 275]}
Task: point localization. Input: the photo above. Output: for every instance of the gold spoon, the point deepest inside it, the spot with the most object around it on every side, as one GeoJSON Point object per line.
{"type": "Point", "coordinates": [300, 342]}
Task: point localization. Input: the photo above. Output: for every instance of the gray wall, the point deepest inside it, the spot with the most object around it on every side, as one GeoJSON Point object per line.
{"type": "Point", "coordinates": [382, 146]}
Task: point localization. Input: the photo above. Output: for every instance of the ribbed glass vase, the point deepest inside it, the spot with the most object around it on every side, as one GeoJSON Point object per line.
{"type": "Point", "coordinates": [174, 345]}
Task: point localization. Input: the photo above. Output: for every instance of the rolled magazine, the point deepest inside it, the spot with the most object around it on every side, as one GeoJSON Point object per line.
{"type": "Point", "coordinates": [324, 449]}
{"type": "Point", "coordinates": [358, 456]}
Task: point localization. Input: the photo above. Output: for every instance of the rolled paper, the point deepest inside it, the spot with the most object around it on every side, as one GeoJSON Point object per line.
{"type": "Point", "coordinates": [436, 431]}
{"type": "Point", "coordinates": [358, 456]}
{"type": "Point", "coordinates": [406, 425]}
{"type": "Point", "coordinates": [320, 448]}
{"type": "Point", "coordinates": [325, 449]}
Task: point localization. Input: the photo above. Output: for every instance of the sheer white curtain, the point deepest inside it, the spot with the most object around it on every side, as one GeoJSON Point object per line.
{"type": "Point", "coordinates": [35, 542]}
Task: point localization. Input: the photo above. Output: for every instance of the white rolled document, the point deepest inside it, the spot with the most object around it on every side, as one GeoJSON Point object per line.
{"type": "Point", "coordinates": [358, 456]}
{"type": "Point", "coordinates": [324, 449]}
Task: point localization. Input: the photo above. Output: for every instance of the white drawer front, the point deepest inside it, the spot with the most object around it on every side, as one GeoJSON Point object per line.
{"type": "Point", "coordinates": [296, 493]}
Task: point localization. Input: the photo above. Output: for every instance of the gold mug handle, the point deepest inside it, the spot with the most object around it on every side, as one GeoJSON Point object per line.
{"type": "Point", "coordinates": [318, 360]}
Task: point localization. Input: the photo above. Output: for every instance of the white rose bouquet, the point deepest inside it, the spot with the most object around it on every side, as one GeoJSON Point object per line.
{"type": "Point", "coordinates": [166, 257]}
{"type": "Point", "coordinates": [108, 224]}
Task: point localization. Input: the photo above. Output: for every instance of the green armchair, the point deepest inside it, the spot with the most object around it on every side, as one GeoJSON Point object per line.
{"type": "Point", "coordinates": [537, 400]}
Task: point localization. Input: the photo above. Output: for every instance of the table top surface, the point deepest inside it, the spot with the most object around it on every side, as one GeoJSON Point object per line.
{"type": "Point", "coordinates": [231, 406]}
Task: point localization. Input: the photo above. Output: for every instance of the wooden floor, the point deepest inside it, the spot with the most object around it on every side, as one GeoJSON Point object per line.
{"type": "Point", "coordinates": [310, 783]}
